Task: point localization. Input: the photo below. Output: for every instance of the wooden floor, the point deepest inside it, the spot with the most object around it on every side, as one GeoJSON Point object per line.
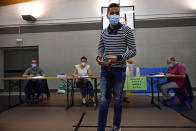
{"type": "Point", "coordinates": [50, 115]}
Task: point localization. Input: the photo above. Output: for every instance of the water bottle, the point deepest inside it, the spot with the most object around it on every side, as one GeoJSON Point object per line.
{"type": "Point", "coordinates": [129, 70]}
{"type": "Point", "coordinates": [137, 71]}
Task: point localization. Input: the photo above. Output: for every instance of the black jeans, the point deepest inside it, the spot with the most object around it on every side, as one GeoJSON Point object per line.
{"type": "Point", "coordinates": [33, 87]}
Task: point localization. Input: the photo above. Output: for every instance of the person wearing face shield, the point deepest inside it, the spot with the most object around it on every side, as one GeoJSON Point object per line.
{"type": "Point", "coordinates": [116, 45]}
{"type": "Point", "coordinates": [174, 68]}
{"type": "Point", "coordinates": [33, 86]}
{"type": "Point", "coordinates": [82, 70]}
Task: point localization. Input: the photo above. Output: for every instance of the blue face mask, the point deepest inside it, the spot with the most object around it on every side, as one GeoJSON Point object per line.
{"type": "Point", "coordinates": [171, 65]}
{"type": "Point", "coordinates": [33, 65]}
{"type": "Point", "coordinates": [114, 19]}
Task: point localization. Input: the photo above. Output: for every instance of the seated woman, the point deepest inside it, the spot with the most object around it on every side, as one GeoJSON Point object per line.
{"type": "Point", "coordinates": [81, 70]}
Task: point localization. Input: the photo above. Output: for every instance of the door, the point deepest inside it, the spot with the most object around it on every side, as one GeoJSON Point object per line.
{"type": "Point", "coordinates": [17, 60]}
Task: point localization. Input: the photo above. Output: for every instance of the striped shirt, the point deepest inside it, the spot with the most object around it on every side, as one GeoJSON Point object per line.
{"type": "Point", "coordinates": [120, 43]}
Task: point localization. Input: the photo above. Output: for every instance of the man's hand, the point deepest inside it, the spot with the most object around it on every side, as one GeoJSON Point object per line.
{"type": "Point", "coordinates": [28, 75]}
{"type": "Point", "coordinates": [112, 59]}
{"type": "Point", "coordinates": [99, 61]}
{"type": "Point", "coordinates": [75, 76]}
{"type": "Point", "coordinates": [24, 75]}
{"type": "Point", "coordinates": [169, 74]}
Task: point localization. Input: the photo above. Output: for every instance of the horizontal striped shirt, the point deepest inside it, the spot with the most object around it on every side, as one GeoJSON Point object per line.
{"type": "Point", "coordinates": [120, 43]}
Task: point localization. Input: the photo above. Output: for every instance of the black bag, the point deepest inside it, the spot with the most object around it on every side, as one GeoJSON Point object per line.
{"type": "Point", "coordinates": [109, 79]}
{"type": "Point", "coordinates": [187, 85]}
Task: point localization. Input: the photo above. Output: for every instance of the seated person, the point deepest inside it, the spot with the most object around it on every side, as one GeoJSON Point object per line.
{"type": "Point", "coordinates": [175, 68]}
{"type": "Point", "coordinates": [84, 83]}
{"type": "Point", "coordinates": [33, 86]}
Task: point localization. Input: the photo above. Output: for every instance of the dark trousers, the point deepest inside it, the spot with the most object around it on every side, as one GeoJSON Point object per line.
{"type": "Point", "coordinates": [32, 88]}
{"type": "Point", "coordinates": [85, 86]}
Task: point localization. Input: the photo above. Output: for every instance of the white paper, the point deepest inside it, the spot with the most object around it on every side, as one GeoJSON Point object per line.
{"type": "Point", "coordinates": [158, 75]}
{"type": "Point", "coordinates": [38, 77]}
{"type": "Point", "coordinates": [61, 76]}
{"type": "Point", "coordinates": [83, 76]}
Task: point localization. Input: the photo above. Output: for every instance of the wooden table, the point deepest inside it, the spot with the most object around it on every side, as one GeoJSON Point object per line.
{"type": "Point", "coordinates": [68, 82]}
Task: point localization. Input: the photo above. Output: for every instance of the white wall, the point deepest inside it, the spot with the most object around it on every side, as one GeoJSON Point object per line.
{"type": "Point", "coordinates": [60, 51]}
{"type": "Point", "coordinates": [62, 11]}
{"type": "Point", "coordinates": [145, 9]}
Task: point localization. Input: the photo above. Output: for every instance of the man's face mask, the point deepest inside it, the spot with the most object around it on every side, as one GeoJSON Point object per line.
{"type": "Point", "coordinates": [33, 65]}
{"type": "Point", "coordinates": [114, 19]}
{"type": "Point", "coordinates": [83, 63]}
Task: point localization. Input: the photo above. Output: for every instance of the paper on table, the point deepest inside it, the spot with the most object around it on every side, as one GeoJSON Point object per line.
{"type": "Point", "coordinates": [83, 76]}
{"type": "Point", "coordinates": [38, 77]}
{"type": "Point", "coordinates": [158, 75]}
{"type": "Point", "coordinates": [61, 76]}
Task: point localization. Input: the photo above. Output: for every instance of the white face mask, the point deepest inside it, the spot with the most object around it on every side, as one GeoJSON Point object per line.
{"type": "Point", "coordinates": [83, 63]}
{"type": "Point", "coordinates": [171, 65]}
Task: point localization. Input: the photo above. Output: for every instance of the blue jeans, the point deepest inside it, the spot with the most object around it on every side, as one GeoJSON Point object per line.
{"type": "Point", "coordinates": [117, 84]}
{"type": "Point", "coordinates": [86, 87]}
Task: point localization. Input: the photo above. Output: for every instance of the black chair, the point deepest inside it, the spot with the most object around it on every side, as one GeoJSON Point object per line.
{"type": "Point", "coordinates": [45, 87]}
{"type": "Point", "coordinates": [44, 90]}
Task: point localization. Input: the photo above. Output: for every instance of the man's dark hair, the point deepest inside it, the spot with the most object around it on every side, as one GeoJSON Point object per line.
{"type": "Point", "coordinates": [172, 59]}
{"type": "Point", "coordinates": [83, 57]}
{"type": "Point", "coordinates": [112, 5]}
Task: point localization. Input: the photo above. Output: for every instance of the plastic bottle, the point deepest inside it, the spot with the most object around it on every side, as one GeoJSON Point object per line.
{"type": "Point", "coordinates": [137, 71]}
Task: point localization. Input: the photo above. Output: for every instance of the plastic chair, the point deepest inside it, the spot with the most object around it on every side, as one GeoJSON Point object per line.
{"type": "Point", "coordinates": [182, 91]}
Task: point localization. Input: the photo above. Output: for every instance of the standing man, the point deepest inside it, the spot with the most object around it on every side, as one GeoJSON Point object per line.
{"type": "Point", "coordinates": [117, 44]}
{"type": "Point", "coordinates": [33, 86]}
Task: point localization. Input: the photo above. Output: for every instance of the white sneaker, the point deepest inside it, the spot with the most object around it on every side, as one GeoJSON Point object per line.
{"type": "Point", "coordinates": [83, 101]}
{"type": "Point", "coordinates": [114, 128]}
